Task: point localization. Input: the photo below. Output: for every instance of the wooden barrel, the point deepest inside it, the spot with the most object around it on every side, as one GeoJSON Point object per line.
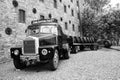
{"type": "Point", "coordinates": [92, 40]}
{"type": "Point", "coordinates": [88, 41]}
{"type": "Point", "coordinates": [80, 40]}
{"type": "Point", "coordinates": [75, 40]}
{"type": "Point", "coordinates": [85, 40]}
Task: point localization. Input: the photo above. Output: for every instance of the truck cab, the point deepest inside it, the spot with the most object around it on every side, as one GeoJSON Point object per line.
{"type": "Point", "coordinates": [45, 42]}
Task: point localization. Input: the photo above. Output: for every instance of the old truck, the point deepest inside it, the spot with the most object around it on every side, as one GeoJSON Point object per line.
{"type": "Point", "coordinates": [45, 42]}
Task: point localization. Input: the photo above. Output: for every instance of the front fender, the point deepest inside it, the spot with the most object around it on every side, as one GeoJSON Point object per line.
{"type": "Point", "coordinates": [50, 53]}
{"type": "Point", "coordinates": [12, 52]}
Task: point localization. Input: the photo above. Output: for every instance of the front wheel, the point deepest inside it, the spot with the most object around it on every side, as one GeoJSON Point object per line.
{"type": "Point", "coordinates": [18, 64]}
{"type": "Point", "coordinates": [54, 61]}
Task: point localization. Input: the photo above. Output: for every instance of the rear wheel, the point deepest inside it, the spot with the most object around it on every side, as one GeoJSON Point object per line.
{"type": "Point", "coordinates": [82, 47]}
{"type": "Point", "coordinates": [92, 47]}
{"type": "Point", "coordinates": [18, 64]}
{"type": "Point", "coordinates": [67, 54]}
{"type": "Point", "coordinates": [75, 49]}
{"type": "Point", "coordinates": [54, 61]}
{"type": "Point", "coordinates": [107, 44]}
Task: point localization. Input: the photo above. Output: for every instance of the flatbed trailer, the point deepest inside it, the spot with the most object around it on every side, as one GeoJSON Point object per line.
{"type": "Point", "coordinates": [80, 43]}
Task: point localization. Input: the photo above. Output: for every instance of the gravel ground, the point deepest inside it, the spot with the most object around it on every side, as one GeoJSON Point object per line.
{"type": "Point", "coordinates": [103, 64]}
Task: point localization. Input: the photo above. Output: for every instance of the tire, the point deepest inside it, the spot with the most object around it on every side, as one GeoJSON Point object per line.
{"type": "Point", "coordinates": [95, 47]}
{"type": "Point", "coordinates": [75, 49]}
{"type": "Point", "coordinates": [18, 64]}
{"type": "Point", "coordinates": [54, 61]}
{"type": "Point", "coordinates": [67, 54]}
{"type": "Point", "coordinates": [82, 48]}
{"type": "Point", "coordinates": [107, 44]}
{"type": "Point", "coordinates": [92, 47]}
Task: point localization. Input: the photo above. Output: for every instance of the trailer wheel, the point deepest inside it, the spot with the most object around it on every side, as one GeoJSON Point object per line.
{"type": "Point", "coordinates": [92, 47]}
{"type": "Point", "coordinates": [75, 49]}
{"type": "Point", "coordinates": [95, 47]}
{"type": "Point", "coordinates": [107, 44]}
{"type": "Point", "coordinates": [18, 64]}
{"type": "Point", "coordinates": [54, 61]}
{"type": "Point", "coordinates": [82, 47]}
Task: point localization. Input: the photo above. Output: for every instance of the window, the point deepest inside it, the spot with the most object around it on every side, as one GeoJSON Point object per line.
{"type": "Point", "coordinates": [73, 27]}
{"type": "Point", "coordinates": [69, 21]}
{"type": "Point", "coordinates": [78, 3]}
{"type": "Point", "coordinates": [60, 0]}
{"type": "Point", "coordinates": [68, 6]}
{"type": "Point", "coordinates": [72, 12]}
{"type": "Point", "coordinates": [78, 15]}
{"type": "Point", "coordinates": [66, 25]}
{"type": "Point", "coordinates": [41, 0]}
{"type": "Point", "coordinates": [41, 17]}
{"type": "Point", "coordinates": [55, 3]}
{"type": "Point", "coordinates": [65, 8]}
{"type": "Point", "coordinates": [21, 16]}
{"type": "Point", "coordinates": [61, 19]}
{"type": "Point", "coordinates": [34, 10]}
{"type": "Point", "coordinates": [48, 29]}
{"type": "Point", "coordinates": [50, 16]}
{"type": "Point", "coordinates": [71, 0]}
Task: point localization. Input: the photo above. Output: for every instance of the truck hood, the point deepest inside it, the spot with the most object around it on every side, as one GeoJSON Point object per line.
{"type": "Point", "coordinates": [43, 39]}
{"type": "Point", "coordinates": [47, 40]}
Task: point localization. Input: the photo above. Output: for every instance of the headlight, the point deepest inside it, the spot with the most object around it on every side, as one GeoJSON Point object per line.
{"type": "Point", "coordinates": [44, 52]}
{"type": "Point", "coordinates": [16, 52]}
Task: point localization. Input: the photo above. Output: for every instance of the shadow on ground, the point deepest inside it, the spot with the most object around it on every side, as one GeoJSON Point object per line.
{"type": "Point", "coordinates": [115, 49]}
{"type": "Point", "coordinates": [40, 67]}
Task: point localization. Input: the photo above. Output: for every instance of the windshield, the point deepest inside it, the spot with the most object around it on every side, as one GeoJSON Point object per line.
{"type": "Point", "coordinates": [35, 30]}
{"type": "Point", "coordinates": [48, 29]}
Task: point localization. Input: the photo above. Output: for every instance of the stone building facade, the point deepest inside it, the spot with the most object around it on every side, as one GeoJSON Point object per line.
{"type": "Point", "coordinates": [16, 15]}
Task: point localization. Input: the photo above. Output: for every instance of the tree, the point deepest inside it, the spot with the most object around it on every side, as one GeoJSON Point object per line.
{"type": "Point", "coordinates": [97, 25]}
{"type": "Point", "coordinates": [88, 21]}
{"type": "Point", "coordinates": [97, 5]}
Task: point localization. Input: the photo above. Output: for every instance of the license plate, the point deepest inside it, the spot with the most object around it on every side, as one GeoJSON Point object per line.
{"type": "Point", "coordinates": [29, 57]}
{"type": "Point", "coordinates": [32, 57]}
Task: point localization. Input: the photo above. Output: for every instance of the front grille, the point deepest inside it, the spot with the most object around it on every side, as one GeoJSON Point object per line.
{"type": "Point", "coordinates": [29, 47]}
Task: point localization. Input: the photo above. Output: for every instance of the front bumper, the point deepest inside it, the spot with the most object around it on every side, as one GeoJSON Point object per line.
{"type": "Point", "coordinates": [30, 57]}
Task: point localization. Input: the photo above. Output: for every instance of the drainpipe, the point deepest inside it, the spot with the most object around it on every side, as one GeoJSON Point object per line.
{"type": "Point", "coordinates": [80, 20]}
